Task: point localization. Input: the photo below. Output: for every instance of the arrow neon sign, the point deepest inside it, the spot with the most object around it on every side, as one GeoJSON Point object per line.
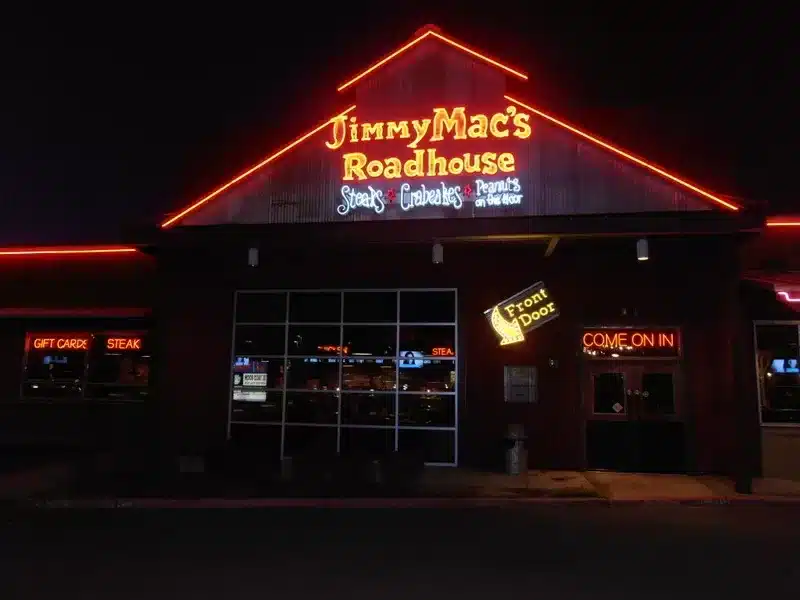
{"type": "Point", "coordinates": [523, 312]}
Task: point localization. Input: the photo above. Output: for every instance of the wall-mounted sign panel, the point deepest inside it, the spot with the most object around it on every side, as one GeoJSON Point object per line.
{"type": "Point", "coordinates": [631, 342]}
{"type": "Point", "coordinates": [523, 312]}
{"type": "Point", "coordinates": [520, 384]}
{"type": "Point", "coordinates": [446, 159]}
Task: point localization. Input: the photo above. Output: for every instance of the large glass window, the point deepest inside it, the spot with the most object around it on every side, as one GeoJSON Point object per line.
{"type": "Point", "coordinates": [778, 371]}
{"type": "Point", "coordinates": [98, 366]}
{"type": "Point", "coordinates": [366, 369]}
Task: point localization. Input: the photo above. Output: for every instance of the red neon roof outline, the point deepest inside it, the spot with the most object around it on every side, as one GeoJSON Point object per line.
{"type": "Point", "coordinates": [66, 250]}
{"type": "Point", "coordinates": [205, 199]}
{"type": "Point", "coordinates": [432, 32]}
{"type": "Point", "coordinates": [630, 157]}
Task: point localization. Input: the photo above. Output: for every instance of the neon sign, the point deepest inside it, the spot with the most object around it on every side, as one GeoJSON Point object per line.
{"type": "Point", "coordinates": [443, 351]}
{"type": "Point", "coordinates": [523, 312]}
{"type": "Point", "coordinates": [61, 343]}
{"type": "Point", "coordinates": [640, 342]}
{"type": "Point", "coordinates": [426, 162]}
{"type": "Point", "coordinates": [482, 194]}
{"type": "Point", "coordinates": [124, 343]}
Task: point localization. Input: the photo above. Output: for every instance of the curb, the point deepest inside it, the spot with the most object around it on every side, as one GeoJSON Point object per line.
{"type": "Point", "coordinates": [394, 503]}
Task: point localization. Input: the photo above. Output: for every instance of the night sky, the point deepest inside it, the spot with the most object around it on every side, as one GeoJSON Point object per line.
{"type": "Point", "coordinates": [112, 119]}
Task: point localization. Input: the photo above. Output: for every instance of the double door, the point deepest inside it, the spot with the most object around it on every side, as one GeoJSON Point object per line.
{"type": "Point", "coordinates": [634, 416]}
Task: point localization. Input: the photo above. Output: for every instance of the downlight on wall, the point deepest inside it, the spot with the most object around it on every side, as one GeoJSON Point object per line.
{"type": "Point", "coordinates": [437, 254]}
{"type": "Point", "coordinates": [642, 250]}
{"type": "Point", "coordinates": [252, 257]}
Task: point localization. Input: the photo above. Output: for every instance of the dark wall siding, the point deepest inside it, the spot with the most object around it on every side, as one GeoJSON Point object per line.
{"type": "Point", "coordinates": [688, 283]}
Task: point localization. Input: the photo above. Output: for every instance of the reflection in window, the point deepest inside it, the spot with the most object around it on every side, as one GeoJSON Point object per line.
{"type": "Point", "coordinates": [261, 307]}
{"type": "Point", "coordinates": [428, 307]}
{"type": "Point", "coordinates": [313, 374]}
{"type": "Point", "coordinates": [315, 307]}
{"type": "Point", "coordinates": [310, 441]}
{"type": "Point", "coordinates": [368, 409]}
{"type": "Point", "coordinates": [428, 375]}
{"type": "Point", "coordinates": [312, 407]}
{"type": "Point", "coordinates": [260, 340]}
{"type": "Point", "coordinates": [54, 374]}
{"type": "Point", "coordinates": [778, 372]}
{"type": "Point", "coordinates": [265, 406]}
{"type": "Point", "coordinates": [118, 370]}
{"type": "Point", "coordinates": [372, 374]}
{"type": "Point", "coordinates": [370, 340]}
{"type": "Point", "coordinates": [427, 410]}
{"type": "Point", "coordinates": [313, 340]}
{"type": "Point", "coordinates": [370, 307]}
{"type": "Point", "coordinates": [428, 340]}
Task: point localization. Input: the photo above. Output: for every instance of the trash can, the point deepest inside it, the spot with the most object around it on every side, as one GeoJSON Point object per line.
{"type": "Point", "coordinates": [516, 454]}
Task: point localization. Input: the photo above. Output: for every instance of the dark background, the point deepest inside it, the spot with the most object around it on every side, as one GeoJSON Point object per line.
{"type": "Point", "coordinates": [119, 113]}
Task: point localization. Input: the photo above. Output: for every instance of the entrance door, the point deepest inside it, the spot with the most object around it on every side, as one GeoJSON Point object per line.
{"type": "Point", "coordinates": [633, 417]}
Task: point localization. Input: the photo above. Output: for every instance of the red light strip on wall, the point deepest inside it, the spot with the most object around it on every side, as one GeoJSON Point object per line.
{"type": "Point", "coordinates": [65, 251]}
{"type": "Point", "coordinates": [417, 40]}
{"type": "Point", "coordinates": [627, 156]}
{"type": "Point", "coordinates": [193, 207]}
{"type": "Point", "coordinates": [783, 222]}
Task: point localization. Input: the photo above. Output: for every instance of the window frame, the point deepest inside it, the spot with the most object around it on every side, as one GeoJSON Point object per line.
{"type": "Point", "coordinates": [395, 394]}
{"type": "Point", "coordinates": [756, 324]}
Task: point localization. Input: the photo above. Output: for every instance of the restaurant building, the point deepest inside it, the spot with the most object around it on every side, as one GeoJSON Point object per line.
{"type": "Point", "coordinates": [435, 261]}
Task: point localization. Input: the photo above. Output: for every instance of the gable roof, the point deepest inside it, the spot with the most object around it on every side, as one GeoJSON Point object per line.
{"type": "Point", "coordinates": [431, 32]}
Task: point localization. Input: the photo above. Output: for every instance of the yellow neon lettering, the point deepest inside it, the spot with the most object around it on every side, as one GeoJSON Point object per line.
{"type": "Point", "coordinates": [400, 128]}
{"type": "Point", "coordinates": [353, 130]}
{"type": "Point", "coordinates": [479, 127]}
{"type": "Point", "coordinates": [421, 127]}
{"type": "Point", "coordinates": [371, 131]}
{"type": "Point", "coordinates": [339, 132]}
{"type": "Point", "coordinates": [455, 122]}
{"type": "Point", "coordinates": [354, 166]}
{"type": "Point", "coordinates": [522, 128]}
{"type": "Point", "coordinates": [494, 125]}
{"type": "Point", "coordinates": [505, 162]}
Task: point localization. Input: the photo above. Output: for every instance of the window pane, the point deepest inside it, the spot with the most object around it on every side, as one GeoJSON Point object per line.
{"type": "Point", "coordinates": [369, 373]}
{"type": "Point", "coordinates": [370, 307]}
{"type": "Point", "coordinates": [432, 446]}
{"type": "Point", "coordinates": [370, 340]}
{"type": "Point", "coordinates": [368, 409]}
{"type": "Point", "coordinates": [780, 340]}
{"type": "Point", "coordinates": [428, 410]}
{"type": "Point", "coordinates": [52, 370]}
{"type": "Point", "coordinates": [428, 307]}
{"type": "Point", "coordinates": [254, 307]}
{"type": "Point", "coordinates": [609, 393]}
{"type": "Point", "coordinates": [778, 370]}
{"type": "Point", "coordinates": [313, 374]}
{"type": "Point", "coordinates": [254, 340]}
{"type": "Point", "coordinates": [367, 442]}
{"type": "Point", "coordinates": [430, 340]}
{"type": "Point", "coordinates": [427, 375]}
{"type": "Point", "coordinates": [255, 448]}
{"type": "Point", "coordinates": [315, 307]}
{"type": "Point", "coordinates": [311, 407]}
{"type": "Point", "coordinates": [119, 368]}
{"type": "Point", "coordinates": [267, 408]}
{"type": "Point", "coordinates": [312, 340]}
{"type": "Point", "coordinates": [310, 441]}
{"type": "Point", "coordinates": [658, 394]}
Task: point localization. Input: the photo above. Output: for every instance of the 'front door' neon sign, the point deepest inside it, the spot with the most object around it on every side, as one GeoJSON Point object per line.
{"type": "Point", "coordinates": [523, 312]}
